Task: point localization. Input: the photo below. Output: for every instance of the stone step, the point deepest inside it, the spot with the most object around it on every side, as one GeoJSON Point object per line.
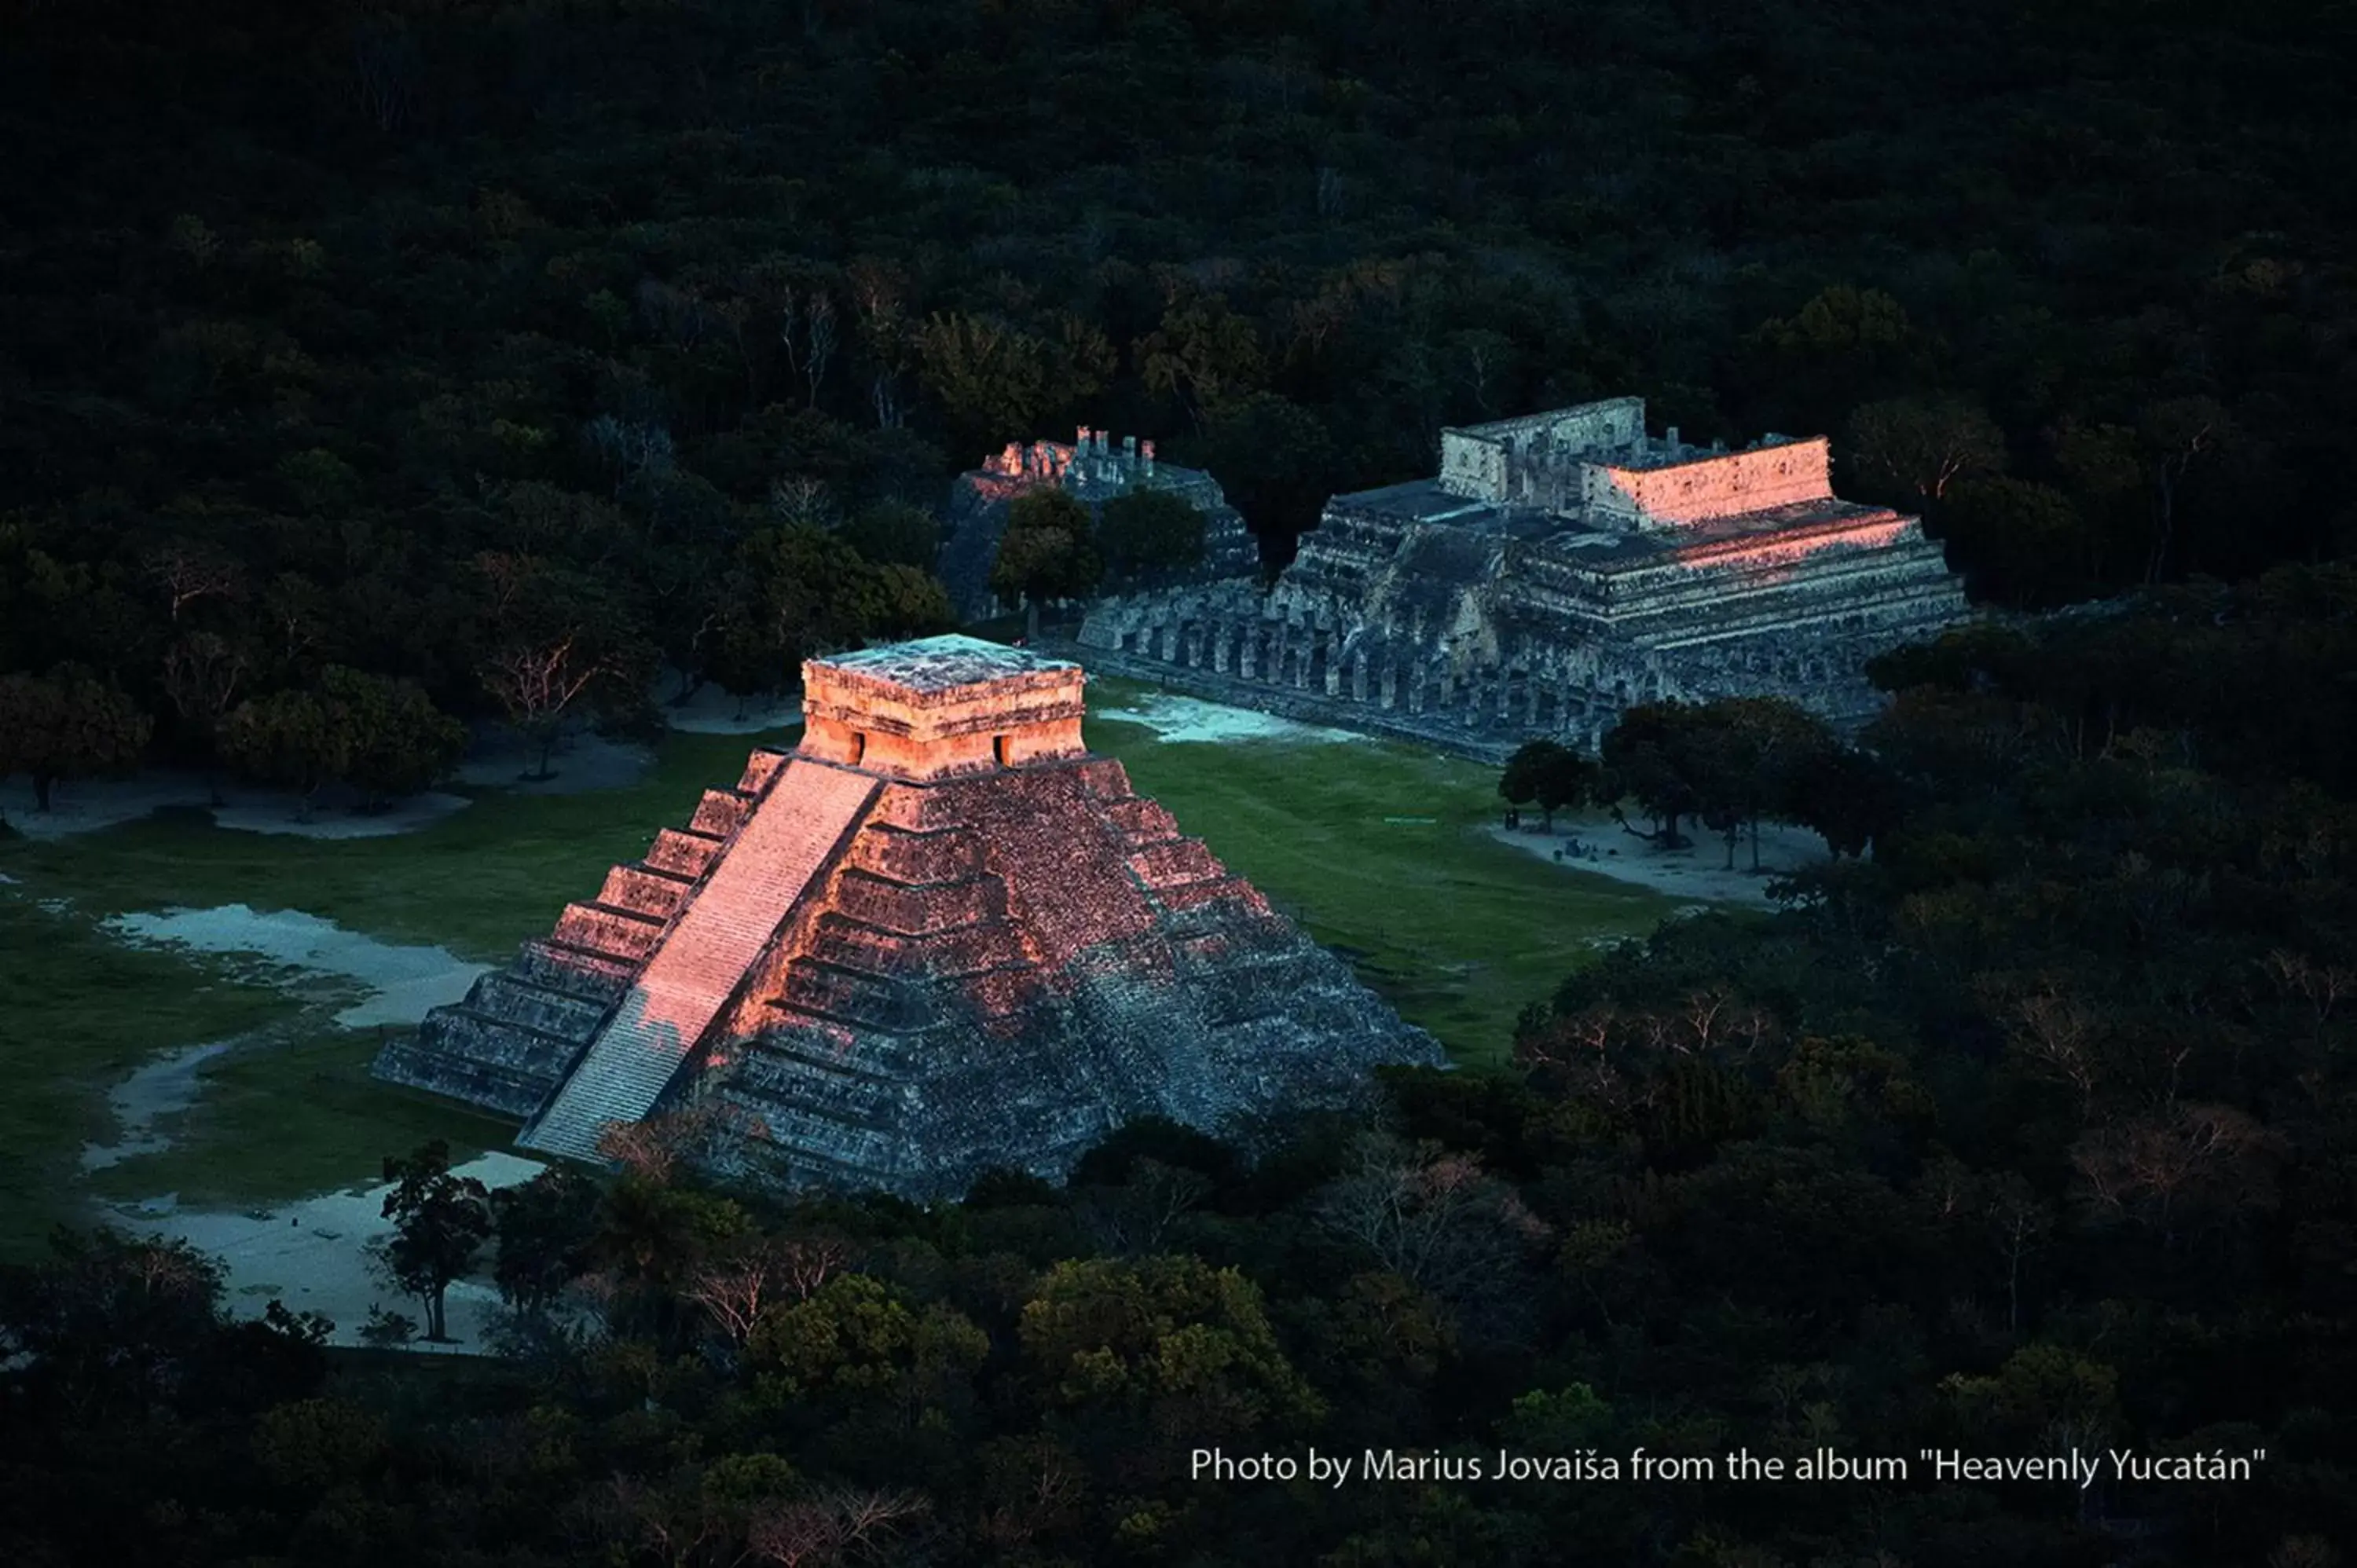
{"type": "Point", "coordinates": [682, 852]}
{"type": "Point", "coordinates": [506, 995]}
{"type": "Point", "coordinates": [582, 972]}
{"type": "Point", "coordinates": [622, 934]}
{"type": "Point", "coordinates": [721, 811]}
{"type": "Point", "coordinates": [644, 890]}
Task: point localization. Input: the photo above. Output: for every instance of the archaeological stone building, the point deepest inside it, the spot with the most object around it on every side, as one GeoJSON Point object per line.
{"type": "Point", "coordinates": [1558, 568]}
{"type": "Point", "coordinates": [1092, 471]}
{"type": "Point", "coordinates": [938, 937]}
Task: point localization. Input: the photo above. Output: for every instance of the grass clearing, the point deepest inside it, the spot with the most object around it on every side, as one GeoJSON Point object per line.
{"type": "Point", "coordinates": [477, 883]}
{"type": "Point", "coordinates": [288, 1117]}
{"type": "Point", "coordinates": [79, 1011]}
{"type": "Point", "coordinates": [290, 1110]}
{"type": "Point", "coordinates": [1376, 848]}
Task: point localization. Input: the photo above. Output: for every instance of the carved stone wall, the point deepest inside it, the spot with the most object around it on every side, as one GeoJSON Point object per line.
{"type": "Point", "coordinates": [1497, 602]}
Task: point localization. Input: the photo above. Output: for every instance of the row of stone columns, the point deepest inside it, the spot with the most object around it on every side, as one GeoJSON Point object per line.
{"type": "Point", "coordinates": [1308, 660]}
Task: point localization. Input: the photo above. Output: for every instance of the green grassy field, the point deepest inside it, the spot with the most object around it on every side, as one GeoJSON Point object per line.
{"type": "Point", "coordinates": [1458, 931]}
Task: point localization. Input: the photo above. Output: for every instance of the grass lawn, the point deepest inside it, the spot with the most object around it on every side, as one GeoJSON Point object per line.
{"type": "Point", "coordinates": [77, 1012]}
{"type": "Point", "coordinates": [293, 1116]}
{"type": "Point", "coordinates": [290, 1110]}
{"type": "Point", "coordinates": [1460, 932]}
{"type": "Point", "coordinates": [478, 884]}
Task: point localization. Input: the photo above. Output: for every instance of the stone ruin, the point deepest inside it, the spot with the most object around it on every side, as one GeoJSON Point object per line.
{"type": "Point", "coordinates": [1559, 568]}
{"type": "Point", "coordinates": [1094, 472]}
{"type": "Point", "coordinates": [937, 938]}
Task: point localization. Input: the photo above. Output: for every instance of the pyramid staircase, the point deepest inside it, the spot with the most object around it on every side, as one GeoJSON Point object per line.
{"type": "Point", "coordinates": [695, 964]}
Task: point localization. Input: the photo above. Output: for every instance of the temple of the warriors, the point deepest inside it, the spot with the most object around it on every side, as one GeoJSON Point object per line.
{"type": "Point", "coordinates": [1092, 471]}
{"type": "Point", "coordinates": [1559, 568]}
{"type": "Point", "coordinates": [938, 937]}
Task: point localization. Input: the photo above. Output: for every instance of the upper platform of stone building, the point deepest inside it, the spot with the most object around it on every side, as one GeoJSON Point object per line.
{"type": "Point", "coordinates": [1596, 465]}
{"type": "Point", "coordinates": [1091, 468]}
{"type": "Point", "coordinates": [941, 707]}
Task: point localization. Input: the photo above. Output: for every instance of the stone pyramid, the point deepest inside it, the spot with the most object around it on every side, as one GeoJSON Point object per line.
{"type": "Point", "coordinates": [937, 938]}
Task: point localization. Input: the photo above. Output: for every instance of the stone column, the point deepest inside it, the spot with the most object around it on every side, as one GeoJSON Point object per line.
{"type": "Point", "coordinates": [1332, 650]}
{"type": "Point", "coordinates": [1191, 640]}
{"type": "Point", "coordinates": [1222, 646]}
{"type": "Point", "coordinates": [1248, 654]}
{"type": "Point", "coordinates": [1387, 692]}
{"type": "Point", "coordinates": [1358, 676]}
{"type": "Point", "coordinates": [1169, 640]}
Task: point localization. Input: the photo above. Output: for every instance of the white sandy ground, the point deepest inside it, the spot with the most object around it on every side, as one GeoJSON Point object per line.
{"type": "Point", "coordinates": [85, 805]}
{"type": "Point", "coordinates": [1187, 719]}
{"type": "Point", "coordinates": [711, 710]}
{"type": "Point", "coordinates": [163, 1087]}
{"type": "Point", "coordinates": [402, 983]}
{"type": "Point", "coordinates": [312, 1255]}
{"type": "Point", "coordinates": [500, 758]}
{"type": "Point", "coordinates": [1699, 871]}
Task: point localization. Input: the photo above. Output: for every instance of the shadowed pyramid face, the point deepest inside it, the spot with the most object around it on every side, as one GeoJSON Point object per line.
{"type": "Point", "coordinates": [939, 708]}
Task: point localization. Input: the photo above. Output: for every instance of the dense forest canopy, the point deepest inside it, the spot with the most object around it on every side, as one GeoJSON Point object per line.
{"type": "Point", "coordinates": [320, 324]}
{"type": "Point", "coordinates": [366, 365]}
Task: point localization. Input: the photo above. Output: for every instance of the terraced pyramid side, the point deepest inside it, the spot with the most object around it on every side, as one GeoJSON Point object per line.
{"type": "Point", "coordinates": [1002, 971]}
{"type": "Point", "coordinates": [521, 1029]}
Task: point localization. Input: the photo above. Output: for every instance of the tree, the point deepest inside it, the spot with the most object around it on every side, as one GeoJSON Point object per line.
{"type": "Point", "coordinates": [794, 592]}
{"type": "Point", "coordinates": [2173, 433]}
{"type": "Point", "coordinates": [1147, 531]}
{"type": "Point", "coordinates": [1548, 773]}
{"type": "Point", "coordinates": [293, 740]}
{"type": "Point", "coordinates": [1650, 757]}
{"type": "Point", "coordinates": [1752, 757]}
{"type": "Point", "coordinates": [1277, 462]}
{"type": "Point", "coordinates": [1049, 552]}
{"type": "Point", "coordinates": [538, 682]}
{"type": "Point", "coordinates": [202, 672]}
{"type": "Point", "coordinates": [1203, 354]}
{"type": "Point", "coordinates": [1185, 1348]}
{"type": "Point", "coordinates": [1432, 1215]}
{"type": "Point", "coordinates": [901, 601]}
{"type": "Point", "coordinates": [1922, 446]}
{"type": "Point", "coordinates": [545, 1227]}
{"type": "Point", "coordinates": [1844, 796]}
{"type": "Point", "coordinates": [400, 742]}
{"type": "Point", "coordinates": [65, 725]}
{"type": "Point", "coordinates": [894, 533]}
{"type": "Point", "coordinates": [2022, 542]}
{"type": "Point", "coordinates": [991, 378]}
{"type": "Point", "coordinates": [108, 1320]}
{"type": "Point", "coordinates": [440, 1221]}
{"type": "Point", "coordinates": [190, 570]}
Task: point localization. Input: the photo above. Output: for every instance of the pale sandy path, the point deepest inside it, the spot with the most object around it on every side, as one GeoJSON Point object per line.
{"type": "Point", "coordinates": [1698, 873]}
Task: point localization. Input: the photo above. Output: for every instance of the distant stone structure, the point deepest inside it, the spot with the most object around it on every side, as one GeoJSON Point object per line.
{"type": "Point", "coordinates": [1092, 471]}
{"type": "Point", "coordinates": [938, 936]}
{"type": "Point", "coordinates": [1559, 568]}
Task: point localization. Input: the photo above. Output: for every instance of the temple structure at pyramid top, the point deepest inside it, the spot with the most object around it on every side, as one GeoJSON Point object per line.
{"type": "Point", "coordinates": [937, 938]}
